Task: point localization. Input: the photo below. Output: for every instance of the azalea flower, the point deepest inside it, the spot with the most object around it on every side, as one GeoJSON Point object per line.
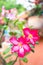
{"type": "Point", "coordinates": [19, 46]}
{"type": "Point", "coordinates": [31, 35]}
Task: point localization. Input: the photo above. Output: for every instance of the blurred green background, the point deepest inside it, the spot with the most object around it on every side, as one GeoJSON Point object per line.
{"type": "Point", "coordinates": [11, 4]}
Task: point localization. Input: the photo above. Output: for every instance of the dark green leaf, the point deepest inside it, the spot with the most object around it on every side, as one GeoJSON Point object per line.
{"type": "Point", "coordinates": [32, 50]}
{"type": "Point", "coordinates": [12, 33]}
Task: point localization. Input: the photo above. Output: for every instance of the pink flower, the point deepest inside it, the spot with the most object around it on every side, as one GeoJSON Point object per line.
{"type": "Point", "coordinates": [19, 46]}
{"type": "Point", "coordinates": [11, 14]}
{"type": "Point", "coordinates": [31, 35]}
{"type": "Point", "coordinates": [3, 11]}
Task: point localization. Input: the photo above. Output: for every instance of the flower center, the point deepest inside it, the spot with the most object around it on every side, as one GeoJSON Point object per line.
{"type": "Point", "coordinates": [20, 44]}
{"type": "Point", "coordinates": [30, 36]}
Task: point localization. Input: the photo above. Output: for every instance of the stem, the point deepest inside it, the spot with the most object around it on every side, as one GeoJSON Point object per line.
{"type": "Point", "coordinates": [15, 60]}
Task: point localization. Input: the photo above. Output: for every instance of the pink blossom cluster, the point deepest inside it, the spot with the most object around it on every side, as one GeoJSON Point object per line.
{"type": "Point", "coordinates": [21, 46]}
{"type": "Point", "coordinates": [10, 14]}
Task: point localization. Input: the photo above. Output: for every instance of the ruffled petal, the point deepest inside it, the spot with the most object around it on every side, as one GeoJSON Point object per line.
{"type": "Point", "coordinates": [15, 49]}
{"type": "Point", "coordinates": [26, 47]}
{"type": "Point", "coordinates": [26, 31]}
{"type": "Point", "coordinates": [21, 52]}
{"type": "Point", "coordinates": [34, 32]}
{"type": "Point", "coordinates": [13, 41]}
{"type": "Point", "coordinates": [27, 39]}
{"type": "Point", "coordinates": [32, 41]}
{"type": "Point", "coordinates": [36, 38]}
{"type": "Point", "coordinates": [22, 40]}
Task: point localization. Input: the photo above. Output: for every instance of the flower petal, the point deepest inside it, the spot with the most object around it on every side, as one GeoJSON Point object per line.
{"type": "Point", "coordinates": [22, 40]}
{"type": "Point", "coordinates": [26, 47]}
{"type": "Point", "coordinates": [15, 49]}
{"type": "Point", "coordinates": [13, 41]}
{"type": "Point", "coordinates": [34, 32]}
{"type": "Point", "coordinates": [26, 31]}
{"type": "Point", "coordinates": [21, 52]}
{"type": "Point", "coordinates": [32, 41]}
{"type": "Point", "coordinates": [36, 38]}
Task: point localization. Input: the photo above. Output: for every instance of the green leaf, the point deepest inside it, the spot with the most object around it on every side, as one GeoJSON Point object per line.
{"type": "Point", "coordinates": [31, 46]}
{"type": "Point", "coordinates": [13, 62]}
{"type": "Point", "coordinates": [12, 33]}
{"type": "Point", "coordinates": [8, 56]}
{"type": "Point", "coordinates": [20, 8]}
{"type": "Point", "coordinates": [20, 25]}
{"type": "Point", "coordinates": [1, 27]}
{"type": "Point", "coordinates": [32, 50]}
{"type": "Point", "coordinates": [10, 63]}
{"type": "Point", "coordinates": [37, 42]}
{"type": "Point", "coordinates": [16, 22]}
{"type": "Point", "coordinates": [24, 59]}
{"type": "Point", "coordinates": [6, 51]}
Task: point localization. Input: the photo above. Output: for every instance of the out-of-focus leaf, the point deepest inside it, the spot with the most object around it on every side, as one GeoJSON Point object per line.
{"type": "Point", "coordinates": [31, 46]}
{"type": "Point", "coordinates": [1, 27]}
{"type": "Point", "coordinates": [9, 5]}
{"type": "Point", "coordinates": [16, 22]}
{"type": "Point", "coordinates": [24, 59]}
{"type": "Point", "coordinates": [20, 8]}
{"type": "Point", "coordinates": [12, 33]}
{"type": "Point", "coordinates": [37, 42]}
{"type": "Point", "coordinates": [8, 56]}
{"type": "Point", "coordinates": [32, 50]}
{"type": "Point", "coordinates": [10, 63]}
{"type": "Point", "coordinates": [7, 50]}
{"type": "Point", "coordinates": [20, 25]}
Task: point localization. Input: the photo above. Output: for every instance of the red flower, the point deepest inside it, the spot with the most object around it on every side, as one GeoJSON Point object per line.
{"type": "Point", "coordinates": [31, 35]}
{"type": "Point", "coordinates": [19, 46]}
